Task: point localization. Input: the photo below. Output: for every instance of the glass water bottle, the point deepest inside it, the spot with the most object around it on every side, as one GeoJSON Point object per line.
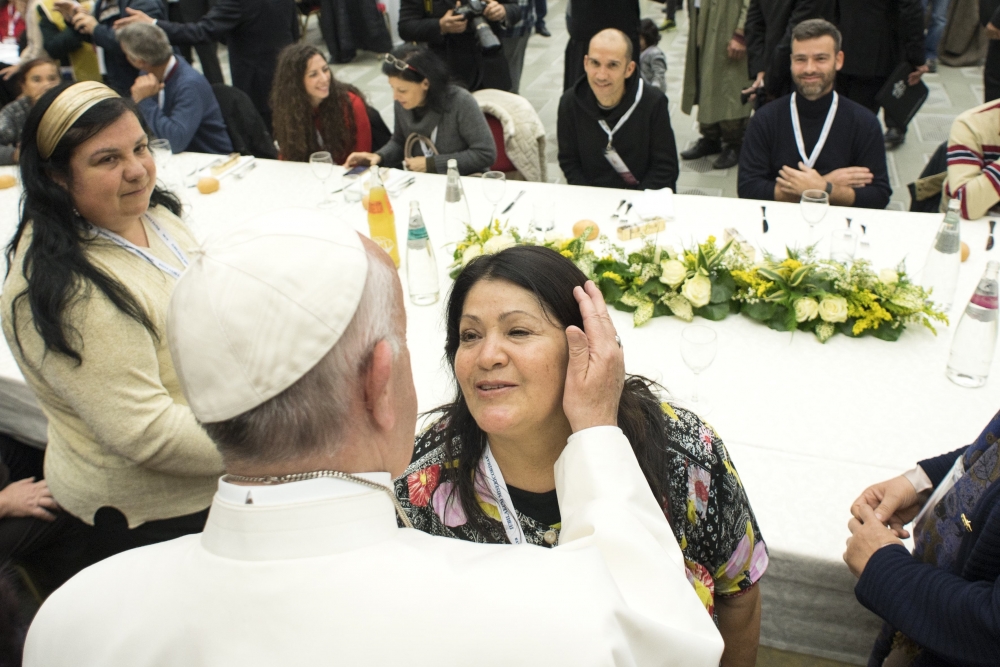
{"type": "Point", "coordinates": [941, 269]}
{"type": "Point", "coordinates": [456, 207]}
{"type": "Point", "coordinates": [421, 268]}
{"type": "Point", "coordinates": [976, 334]}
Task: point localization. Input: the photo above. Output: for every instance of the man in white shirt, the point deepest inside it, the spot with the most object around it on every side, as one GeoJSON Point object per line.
{"type": "Point", "coordinates": [289, 342]}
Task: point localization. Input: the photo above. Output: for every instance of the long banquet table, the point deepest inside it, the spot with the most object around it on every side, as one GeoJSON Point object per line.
{"type": "Point", "coordinates": [808, 425]}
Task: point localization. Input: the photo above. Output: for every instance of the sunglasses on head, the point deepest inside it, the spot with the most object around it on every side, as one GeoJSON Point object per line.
{"type": "Point", "coordinates": [400, 64]}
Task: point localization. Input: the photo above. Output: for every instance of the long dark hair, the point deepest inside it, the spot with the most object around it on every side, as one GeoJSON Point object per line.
{"type": "Point", "coordinates": [423, 64]}
{"type": "Point", "coordinates": [294, 129]}
{"type": "Point", "coordinates": [551, 278]}
{"type": "Point", "coordinates": [55, 265]}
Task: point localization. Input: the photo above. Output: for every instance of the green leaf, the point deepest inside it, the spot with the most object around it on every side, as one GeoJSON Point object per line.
{"type": "Point", "coordinates": [713, 311]}
{"type": "Point", "coordinates": [798, 275]}
{"type": "Point", "coordinates": [643, 313]}
{"type": "Point", "coordinates": [773, 276]}
{"type": "Point", "coordinates": [888, 333]}
{"type": "Point", "coordinates": [621, 306]}
{"type": "Point", "coordinates": [824, 331]}
{"type": "Point", "coordinates": [782, 320]}
{"type": "Point", "coordinates": [679, 306]}
{"type": "Point", "coordinates": [777, 297]}
{"type": "Point", "coordinates": [612, 293]}
{"type": "Point", "coordinates": [847, 328]}
{"type": "Point", "coordinates": [761, 311]}
{"type": "Point", "coordinates": [723, 287]}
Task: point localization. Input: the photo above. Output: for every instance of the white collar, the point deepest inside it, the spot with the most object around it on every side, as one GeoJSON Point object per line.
{"type": "Point", "coordinates": [322, 488]}
{"type": "Point", "coordinates": [162, 95]}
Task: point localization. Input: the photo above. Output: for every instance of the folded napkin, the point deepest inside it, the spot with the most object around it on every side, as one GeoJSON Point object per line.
{"type": "Point", "coordinates": [655, 204]}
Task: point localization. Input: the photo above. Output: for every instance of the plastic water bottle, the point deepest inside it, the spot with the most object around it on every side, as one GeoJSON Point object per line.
{"type": "Point", "coordinates": [976, 334]}
{"type": "Point", "coordinates": [421, 269]}
{"type": "Point", "coordinates": [456, 207]}
{"type": "Point", "coordinates": [941, 270]}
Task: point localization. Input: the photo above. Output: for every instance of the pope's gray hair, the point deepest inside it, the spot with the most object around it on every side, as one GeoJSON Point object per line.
{"type": "Point", "coordinates": [309, 417]}
{"type": "Point", "coordinates": [145, 42]}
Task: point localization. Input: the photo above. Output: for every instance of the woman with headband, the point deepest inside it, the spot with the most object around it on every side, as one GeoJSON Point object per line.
{"type": "Point", "coordinates": [90, 272]}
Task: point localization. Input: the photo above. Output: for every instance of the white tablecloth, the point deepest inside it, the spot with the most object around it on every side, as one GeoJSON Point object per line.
{"type": "Point", "coordinates": [808, 425]}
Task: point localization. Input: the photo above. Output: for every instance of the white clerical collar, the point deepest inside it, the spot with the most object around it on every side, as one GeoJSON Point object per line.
{"type": "Point", "coordinates": [322, 488]}
{"type": "Point", "coordinates": [171, 64]}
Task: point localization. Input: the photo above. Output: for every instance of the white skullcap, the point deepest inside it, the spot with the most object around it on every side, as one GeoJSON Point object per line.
{"type": "Point", "coordinates": [255, 311]}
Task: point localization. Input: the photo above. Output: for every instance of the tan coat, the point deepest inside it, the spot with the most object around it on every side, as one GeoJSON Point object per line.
{"type": "Point", "coordinates": [523, 132]}
{"type": "Point", "coordinates": [717, 90]}
{"type": "Point", "coordinates": [120, 432]}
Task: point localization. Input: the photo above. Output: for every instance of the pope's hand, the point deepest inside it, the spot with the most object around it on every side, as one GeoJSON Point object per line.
{"type": "Point", "coordinates": [893, 501]}
{"type": "Point", "coordinates": [134, 16]}
{"type": "Point", "coordinates": [868, 535]}
{"type": "Point", "coordinates": [595, 374]}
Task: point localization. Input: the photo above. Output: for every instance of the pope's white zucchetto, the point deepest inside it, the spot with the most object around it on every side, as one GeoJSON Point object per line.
{"type": "Point", "coordinates": [258, 309]}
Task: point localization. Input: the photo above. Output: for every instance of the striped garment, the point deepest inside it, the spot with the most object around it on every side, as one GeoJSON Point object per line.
{"type": "Point", "coordinates": [973, 155]}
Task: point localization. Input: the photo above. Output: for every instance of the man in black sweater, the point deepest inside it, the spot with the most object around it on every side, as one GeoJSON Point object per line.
{"type": "Point", "coordinates": [614, 132]}
{"type": "Point", "coordinates": [815, 139]}
{"type": "Point", "coordinates": [255, 32]}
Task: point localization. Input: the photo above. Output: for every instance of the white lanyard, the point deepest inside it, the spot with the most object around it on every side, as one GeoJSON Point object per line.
{"type": "Point", "coordinates": [621, 121]}
{"type": "Point", "coordinates": [13, 16]}
{"type": "Point", "coordinates": [823, 135]}
{"type": "Point", "coordinates": [428, 151]}
{"type": "Point", "coordinates": [145, 254]}
{"type": "Point", "coordinates": [494, 478]}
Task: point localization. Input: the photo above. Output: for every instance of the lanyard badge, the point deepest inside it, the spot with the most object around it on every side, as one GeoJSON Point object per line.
{"type": "Point", "coordinates": [610, 154]}
{"type": "Point", "coordinates": [810, 160]}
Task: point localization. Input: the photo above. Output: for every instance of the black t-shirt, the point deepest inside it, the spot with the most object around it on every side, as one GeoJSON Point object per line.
{"type": "Point", "coordinates": [542, 507]}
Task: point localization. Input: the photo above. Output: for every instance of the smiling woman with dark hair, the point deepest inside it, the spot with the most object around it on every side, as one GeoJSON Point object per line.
{"type": "Point", "coordinates": [490, 455]}
{"type": "Point", "coordinates": [90, 272]}
{"type": "Point", "coordinates": [445, 116]}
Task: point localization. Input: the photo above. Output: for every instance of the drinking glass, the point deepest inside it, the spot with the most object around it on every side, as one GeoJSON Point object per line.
{"type": "Point", "coordinates": [352, 187]}
{"type": "Point", "coordinates": [543, 216]}
{"type": "Point", "coordinates": [494, 184]}
{"type": "Point", "coordinates": [843, 243]}
{"type": "Point", "coordinates": [321, 164]}
{"type": "Point", "coordinates": [698, 347]}
{"type": "Point", "coordinates": [160, 150]}
{"type": "Point", "coordinates": [814, 204]}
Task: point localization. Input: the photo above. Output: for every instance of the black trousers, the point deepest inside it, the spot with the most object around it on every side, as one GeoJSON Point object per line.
{"type": "Point", "coordinates": [53, 551]}
{"type": "Point", "coordinates": [991, 73]}
{"type": "Point", "coordinates": [863, 89]}
{"type": "Point", "coordinates": [190, 11]}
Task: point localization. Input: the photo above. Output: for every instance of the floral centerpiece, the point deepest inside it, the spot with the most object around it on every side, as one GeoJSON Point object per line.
{"type": "Point", "coordinates": [827, 297]}
{"type": "Point", "coordinates": [796, 292]}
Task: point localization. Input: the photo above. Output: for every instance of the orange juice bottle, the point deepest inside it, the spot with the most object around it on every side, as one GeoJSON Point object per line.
{"type": "Point", "coordinates": [381, 220]}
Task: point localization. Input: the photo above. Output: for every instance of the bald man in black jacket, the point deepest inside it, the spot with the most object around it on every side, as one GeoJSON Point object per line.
{"type": "Point", "coordinates": [255, 32]}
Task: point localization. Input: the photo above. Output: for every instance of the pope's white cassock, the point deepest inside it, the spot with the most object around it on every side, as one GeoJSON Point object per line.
{"type": "Point", "coordinates": [323, 576]}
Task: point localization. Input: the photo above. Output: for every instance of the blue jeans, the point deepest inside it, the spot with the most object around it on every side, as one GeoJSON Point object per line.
{"type": "Point", "coordinates": [939, 17]}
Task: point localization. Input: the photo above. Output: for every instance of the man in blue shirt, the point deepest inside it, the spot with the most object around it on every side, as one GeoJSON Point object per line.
{"type": "Point", "coordinates": [176, 100]}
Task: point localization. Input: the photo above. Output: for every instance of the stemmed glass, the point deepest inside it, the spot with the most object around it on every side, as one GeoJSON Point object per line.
{"type": "Point", "coordinates": [494, 184]}
{"type": "Point", "coordinates": [814, 204]}
{"type": "Point", "coordinates": [160, 149]}
{"type": "Point", "coordinates": [698, 347]}
{"type": "Point", "coordinates": [321, 164]}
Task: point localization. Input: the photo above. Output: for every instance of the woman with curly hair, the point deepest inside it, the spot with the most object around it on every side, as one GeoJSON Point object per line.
{"type": "Point", "coordinates": [315, 112]}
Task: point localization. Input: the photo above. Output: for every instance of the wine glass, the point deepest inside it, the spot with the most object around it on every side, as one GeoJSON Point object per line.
{"type": "Point", "coordinates": [814, 204]}
{"type": "Point", "coordinates": [698, 347]}
{"type": "Point", "coordinates": [494, 184]}
{"type": "Point", "coordinates": [160, 150]}
{"type": "Point", "coordinates": [321, 164]}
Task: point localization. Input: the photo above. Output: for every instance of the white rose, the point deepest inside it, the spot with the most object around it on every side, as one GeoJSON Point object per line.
{"type": "Point", "coordinates": [473, 251]}
{"type": "Point", "coordinates": [806, 310]}
{"type": "Point", "coordinates": [833, 309]}
{"type": "Point", "coordinates": [888, 276]}
{"type": "Point", "coordinates": [674, 272]}
{"type": "Point", "coordinates": [697, 290]}
{"type": "Point", "coordinates": [498, 243]}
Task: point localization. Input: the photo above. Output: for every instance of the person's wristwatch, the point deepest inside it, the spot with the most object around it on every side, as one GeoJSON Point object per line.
{"type": "Point", "coordinates": [829, 188]}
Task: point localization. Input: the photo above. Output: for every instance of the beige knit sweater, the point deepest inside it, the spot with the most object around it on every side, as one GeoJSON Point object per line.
{"type": "Point", "coordinates": [120, 432]}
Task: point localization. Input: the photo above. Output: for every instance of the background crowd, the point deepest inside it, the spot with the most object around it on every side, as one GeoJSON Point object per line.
{"type": "Point", "coordinates": [789, 92]}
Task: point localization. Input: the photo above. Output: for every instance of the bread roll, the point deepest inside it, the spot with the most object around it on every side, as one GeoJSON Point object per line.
{"type": "Point", "coordinates": [965, 251]}
{"type": "Point", "coordinates": [207, 185]}
{"type": "Point", "coordinates": [581, 226]}
{"type": "Point", "coordinates": [7, 181]}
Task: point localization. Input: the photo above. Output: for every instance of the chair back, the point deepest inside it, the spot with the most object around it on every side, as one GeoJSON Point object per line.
{"type": "Point", "coordinates": [246, 128]}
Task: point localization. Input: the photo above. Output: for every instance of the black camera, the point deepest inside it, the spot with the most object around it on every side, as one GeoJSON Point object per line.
{"type": "Point", "coordinates": [472, 10]}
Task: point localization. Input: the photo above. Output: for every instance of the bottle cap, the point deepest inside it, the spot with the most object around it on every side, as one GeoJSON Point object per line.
{"type": "Point", "coordinates": [955, 205]}
{"type": "Point", "coordinates": [453, 163]}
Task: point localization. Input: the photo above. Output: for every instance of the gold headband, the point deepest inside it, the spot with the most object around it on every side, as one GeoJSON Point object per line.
{"type": "Point", "coordinates": [65, 110]}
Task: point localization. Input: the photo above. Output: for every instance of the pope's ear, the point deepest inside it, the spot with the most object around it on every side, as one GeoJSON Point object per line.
{"type": "Point", "coordinates": [377, 383]}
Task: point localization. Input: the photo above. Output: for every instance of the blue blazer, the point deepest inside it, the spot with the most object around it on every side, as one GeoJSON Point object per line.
{"type": "Point", "coordinates": [190, 117]}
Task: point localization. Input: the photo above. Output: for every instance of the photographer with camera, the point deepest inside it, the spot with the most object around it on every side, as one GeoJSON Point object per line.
{"type": "Point", "coordinates": [464, 35]}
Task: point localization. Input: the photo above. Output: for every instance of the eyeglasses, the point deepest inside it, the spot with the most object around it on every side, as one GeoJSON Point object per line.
{"type": "Point", "coordinates": [400, 64]}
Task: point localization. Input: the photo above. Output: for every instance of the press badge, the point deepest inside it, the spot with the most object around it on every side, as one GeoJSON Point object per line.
{"type": "Point", "coordinates": [109, 12]}
{"type": "Point", "coordinates": [612, 156]}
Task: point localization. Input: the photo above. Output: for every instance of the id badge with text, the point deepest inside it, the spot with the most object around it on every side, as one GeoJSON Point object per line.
{"type": "Point", "coordinates": [616, 161]}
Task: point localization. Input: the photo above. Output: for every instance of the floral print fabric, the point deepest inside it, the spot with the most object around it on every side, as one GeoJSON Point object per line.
{"type": "Point", "coordinates": [707, 507]}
